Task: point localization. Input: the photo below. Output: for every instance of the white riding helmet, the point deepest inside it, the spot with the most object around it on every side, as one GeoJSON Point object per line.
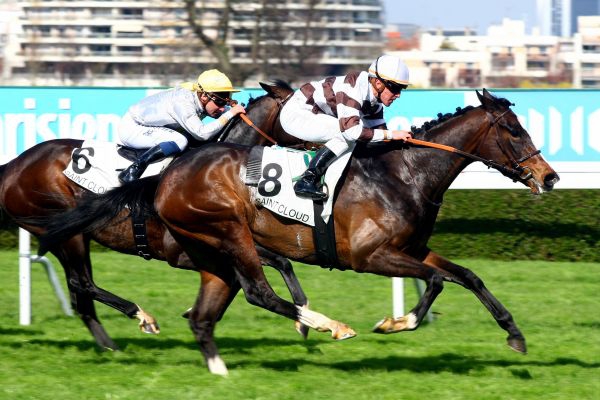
{"type": "Point", "coordinates": [390, 68]}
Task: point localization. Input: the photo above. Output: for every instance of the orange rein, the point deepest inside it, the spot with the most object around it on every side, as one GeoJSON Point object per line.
{"type": "Point", "coordinates": [434, 145]}
{"type": "Point", "coordinates": [247, 120]}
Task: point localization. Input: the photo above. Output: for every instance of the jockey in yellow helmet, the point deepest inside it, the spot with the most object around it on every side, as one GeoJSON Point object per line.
{"type": "Point", "coordinates": [157, 122]}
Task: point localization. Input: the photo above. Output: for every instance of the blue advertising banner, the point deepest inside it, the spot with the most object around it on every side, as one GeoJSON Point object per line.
{"type": "Point", "coordinates": [564, 124]}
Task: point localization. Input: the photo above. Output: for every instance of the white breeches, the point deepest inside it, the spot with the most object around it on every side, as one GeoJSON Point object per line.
{"type": "Point", "coordinates": [139, 136]}
{"type": "Point", "coordinates": [298, 120]}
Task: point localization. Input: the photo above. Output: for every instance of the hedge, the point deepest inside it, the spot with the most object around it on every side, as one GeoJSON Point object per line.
{"type": "Point", "coordinates": [563, 225]}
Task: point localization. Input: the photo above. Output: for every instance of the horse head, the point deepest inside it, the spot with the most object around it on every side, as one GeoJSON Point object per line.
{"type": "Point", "coordinates": [506, 142]}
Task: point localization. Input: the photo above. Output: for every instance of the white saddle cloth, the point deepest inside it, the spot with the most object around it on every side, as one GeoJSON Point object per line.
{"type": "Point", "coordinates": [95, 166]}
{"type": "Point", "coordinates": [280, 168]}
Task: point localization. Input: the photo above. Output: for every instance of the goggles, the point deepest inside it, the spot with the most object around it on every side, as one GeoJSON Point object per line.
{"type": "Point", "coordinates": [218, 100]}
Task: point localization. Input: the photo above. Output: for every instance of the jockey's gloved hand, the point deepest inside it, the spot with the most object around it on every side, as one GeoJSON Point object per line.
{"type": "Point", "coordinates": [401, 135]}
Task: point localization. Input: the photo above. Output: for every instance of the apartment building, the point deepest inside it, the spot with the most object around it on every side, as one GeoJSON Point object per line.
{"type": "Point", "coordinates": [150, 43]}
{"type": "Point", "coordinates": [507, 57]}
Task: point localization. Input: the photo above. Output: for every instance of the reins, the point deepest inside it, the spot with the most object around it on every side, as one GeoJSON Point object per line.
{"type": "Point", "coordinates": [247, 120]}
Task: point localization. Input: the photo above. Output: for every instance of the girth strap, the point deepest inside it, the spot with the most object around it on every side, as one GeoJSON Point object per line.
{"type": "Point", "coordinates": [324, 238]}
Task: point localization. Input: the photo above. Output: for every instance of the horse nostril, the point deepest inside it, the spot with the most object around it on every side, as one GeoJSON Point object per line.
{"type": "Point", "coordinates": [551, 179]}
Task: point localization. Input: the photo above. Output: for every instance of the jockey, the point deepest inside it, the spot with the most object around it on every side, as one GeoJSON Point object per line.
{"type": "Point", "coordinates": [340, 110]}
{"type": "Point", "coordinates": [156, 121]}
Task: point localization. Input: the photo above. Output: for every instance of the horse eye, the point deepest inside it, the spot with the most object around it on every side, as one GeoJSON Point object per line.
{"type": "Point", "coordinates": [515, 132]}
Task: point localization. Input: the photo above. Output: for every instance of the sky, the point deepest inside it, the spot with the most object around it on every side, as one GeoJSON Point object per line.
{"type": "Point", "coordinates": [457, 14]}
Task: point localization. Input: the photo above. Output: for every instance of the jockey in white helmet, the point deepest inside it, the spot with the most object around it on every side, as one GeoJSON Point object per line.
{"type": "Point", "coordinates": [341, 110]}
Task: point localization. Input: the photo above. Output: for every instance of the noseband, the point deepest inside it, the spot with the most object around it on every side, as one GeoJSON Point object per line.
{"type": "Point", "coordinates": [516, 171]}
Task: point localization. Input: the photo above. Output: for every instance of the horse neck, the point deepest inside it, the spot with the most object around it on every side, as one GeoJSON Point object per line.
{"type": "Point", "coordinates": [264, 114]}
{"type": "Point", "coordinates": [432, 171]}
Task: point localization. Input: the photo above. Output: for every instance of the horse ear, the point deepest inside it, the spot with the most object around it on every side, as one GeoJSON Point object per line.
{"type": "Point", "coordinates": [479, 96]}
{"type": "Point", "coordinates": [276, 90]}
{"type": "Point", "coordinates": [265, 86]}
{"type": "Point", "coordinates": [487, 99]}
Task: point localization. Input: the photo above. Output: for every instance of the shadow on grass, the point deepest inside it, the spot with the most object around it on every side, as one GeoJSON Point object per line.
{"type": "Point", "coordinates": [238, 346]}
{"type": "Point", "coordinates": [447, 362]}
{"type": "Point", "coordinates": [20, 331]}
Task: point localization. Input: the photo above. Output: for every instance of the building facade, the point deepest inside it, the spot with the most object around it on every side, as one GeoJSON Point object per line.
{"type": "Point", "coordinates": [151, 43]}
{"type": "Point", "coordinates": [507, 57]}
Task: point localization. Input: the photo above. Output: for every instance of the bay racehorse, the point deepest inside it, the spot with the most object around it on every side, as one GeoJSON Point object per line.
{"type": "Point", "coordinates": [33, 187]}
{"type": "Point", "coordinates": [384, 212]}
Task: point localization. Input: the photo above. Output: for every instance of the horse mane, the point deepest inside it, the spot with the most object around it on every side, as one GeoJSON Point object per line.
{"type": "Point", "coordinates": [441, 118]}
{"type": "Point", "coordinates": [282, 84]}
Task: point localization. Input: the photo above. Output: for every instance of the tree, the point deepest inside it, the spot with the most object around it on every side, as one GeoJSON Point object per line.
{"type": "Point", "coordinates": [270, 50]}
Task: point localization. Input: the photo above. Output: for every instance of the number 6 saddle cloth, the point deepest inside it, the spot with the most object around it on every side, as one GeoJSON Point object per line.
{"type": "Point", "coordinates": [95, 166]}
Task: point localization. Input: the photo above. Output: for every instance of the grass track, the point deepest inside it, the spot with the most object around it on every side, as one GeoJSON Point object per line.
{"type": "Point", "coordinates": [462, 355]}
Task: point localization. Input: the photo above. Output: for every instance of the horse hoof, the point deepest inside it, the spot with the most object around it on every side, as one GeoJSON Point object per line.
{"type": "Point", "coordinates": [216, 366]}
{"type": "Point", "coordinates": [187, 313]}
{"type": "Point", "coordinates": [152, 329]}
{"type": "Point", "coordinates": [343, 332]}
{"type": "Point", "coordinates": [301, 329]}
{"type": "Point", "coordinates": [517, 344]}
{"type": "Point", "coordinates": [384, 326]}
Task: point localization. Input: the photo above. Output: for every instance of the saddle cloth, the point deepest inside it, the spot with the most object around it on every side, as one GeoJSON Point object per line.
{"type": "Point", "coordinates": [280, 168]}
{"type": "Point", "coordinates": [95, 166]}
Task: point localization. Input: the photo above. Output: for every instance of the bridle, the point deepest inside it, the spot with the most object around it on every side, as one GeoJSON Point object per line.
{"type": "Point", "coordinates": [516, 171]}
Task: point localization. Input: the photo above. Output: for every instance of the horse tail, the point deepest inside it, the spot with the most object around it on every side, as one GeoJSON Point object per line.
{"type": "Point", "coordinates": [94, 212]}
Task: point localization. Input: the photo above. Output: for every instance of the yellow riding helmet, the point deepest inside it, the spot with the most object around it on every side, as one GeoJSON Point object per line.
{"type": "Point", "coordinates": [212, 81]}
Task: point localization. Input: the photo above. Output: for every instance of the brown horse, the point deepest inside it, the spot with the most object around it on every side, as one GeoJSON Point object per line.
{"type": "Point", "coordinates": [33, 187]}
{"type": "Point", "coordinates": [211, 213]}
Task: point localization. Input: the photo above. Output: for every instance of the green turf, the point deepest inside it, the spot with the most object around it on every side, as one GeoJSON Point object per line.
{"type": "Point", "coordinates": [462, 355]}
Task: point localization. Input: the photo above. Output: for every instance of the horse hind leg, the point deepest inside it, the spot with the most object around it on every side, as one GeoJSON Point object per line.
{"type": "Point", "coordinates": [257, 290]}
{"type": "Point", "coordinates": [74, 255]}
{"type": "Point", "coordinates": [83, 304]}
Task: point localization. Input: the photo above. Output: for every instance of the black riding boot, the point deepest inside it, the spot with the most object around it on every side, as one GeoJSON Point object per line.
{"type": "Point", "coordinates": [135, 170]}
{"type": "Point", "coordinates": [308, 185]}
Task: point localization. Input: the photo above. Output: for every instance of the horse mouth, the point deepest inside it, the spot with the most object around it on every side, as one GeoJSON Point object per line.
{"type": "Point", "coordinates": [549, 181]}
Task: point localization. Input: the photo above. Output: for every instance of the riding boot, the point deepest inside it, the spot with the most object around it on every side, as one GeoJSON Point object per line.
{"type": "Point", "coordinates": [308, 185]}
{"type": "Point", "coordinates": [135, 170]}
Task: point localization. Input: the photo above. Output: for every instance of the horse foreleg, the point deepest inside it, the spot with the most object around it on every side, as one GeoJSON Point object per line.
{"type": "Point", "coordinates": [390, 262]}
{"type": "Point", "coordinates": [258, 292]}
{"type": "Point", "coordinates": [216, 294]}
{"type": "Point", "coordinates": [469, 280]}
{"type": "Point", "coordinates": [284, 266]}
